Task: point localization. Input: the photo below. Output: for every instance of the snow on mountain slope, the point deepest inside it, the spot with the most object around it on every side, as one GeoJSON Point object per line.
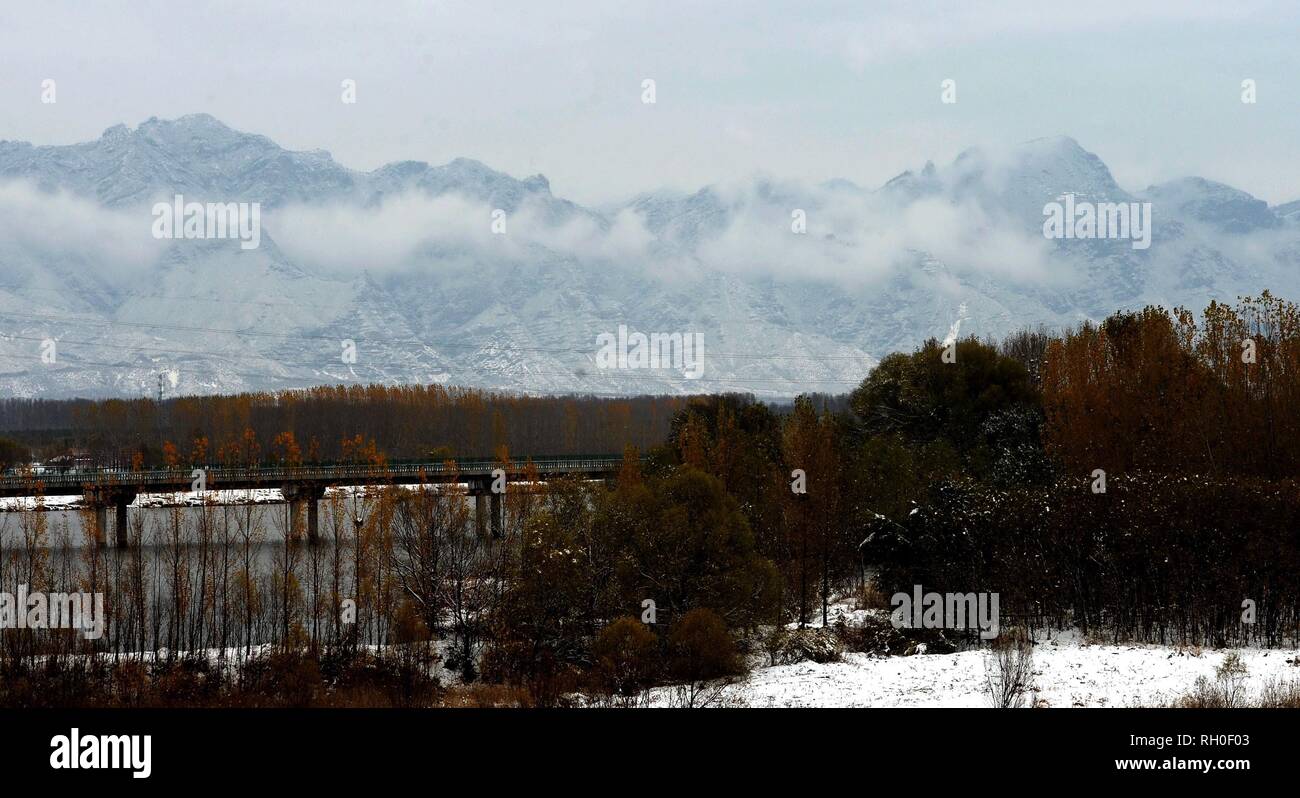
{"type": "Point", "coordinates": [464, 275]}
{"type": "Point", "coordinates": [1288, 212]}
{"type": "Point", "coordinates": [1221, 207]}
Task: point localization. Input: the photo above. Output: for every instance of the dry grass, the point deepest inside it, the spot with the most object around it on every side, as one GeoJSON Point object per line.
{"type": "Point", "coordinates": [479, 696]}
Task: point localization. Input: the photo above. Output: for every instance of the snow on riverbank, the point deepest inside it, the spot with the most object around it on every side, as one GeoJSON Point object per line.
{"type": "Point", "coordinates": [219, 497]}
{"type": "Point", "coordinates": [183, 499]}
{"type": "Point", "coordinates": [1067, 673]}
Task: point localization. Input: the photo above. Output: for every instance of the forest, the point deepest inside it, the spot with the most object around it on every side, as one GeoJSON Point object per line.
{"type": "Point", "coordinates": [1134, 478]}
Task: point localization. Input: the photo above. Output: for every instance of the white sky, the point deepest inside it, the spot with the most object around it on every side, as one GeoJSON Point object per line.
{"type": "Point", "coordinates": [807, 90]}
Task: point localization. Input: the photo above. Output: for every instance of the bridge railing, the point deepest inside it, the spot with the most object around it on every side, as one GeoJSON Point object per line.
{"type": "Point", "coordinates": [274, 475]}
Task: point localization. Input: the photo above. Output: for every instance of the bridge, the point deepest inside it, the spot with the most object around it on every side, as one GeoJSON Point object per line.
{"type": "Point", "coordinates": [303, 486]}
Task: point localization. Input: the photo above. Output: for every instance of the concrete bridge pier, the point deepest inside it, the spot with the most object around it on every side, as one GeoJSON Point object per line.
{"type": "Point", "coordinates": [101, 524]}
{"type": "Point", "coordinates": [120, 506]}
{"type": "Point", "coordinates": [480, 513]}
{"type": "Point", "coordinates": [498, 515]}
{"type": "Point", "coordinates": [489, 508]}
{"type": "Point", "coordinates": [99, 498]}
{"type": "Point", "coordinates": [298, 494]}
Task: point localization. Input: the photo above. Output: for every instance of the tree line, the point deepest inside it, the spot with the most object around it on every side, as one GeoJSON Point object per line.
{"type": "Point", "coordinates": [409, 421]}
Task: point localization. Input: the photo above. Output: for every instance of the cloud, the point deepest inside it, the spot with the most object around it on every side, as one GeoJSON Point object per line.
{"type": "Point", "coordinates": [972, 241]}
{"type": "Point", "coordinates": [852, 237]}
{"type": "Point", "coordinates": [59, 226]}
{"type": "Point", "coordinates": [415, 229]}
{"type": "Point", "coordinates": [340, 237]}
{"type": "Point", "coordinates": [859, 238]}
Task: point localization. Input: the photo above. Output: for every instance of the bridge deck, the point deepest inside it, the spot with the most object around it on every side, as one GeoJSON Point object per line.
{"type": "Point", "coordinates": [275, 476]}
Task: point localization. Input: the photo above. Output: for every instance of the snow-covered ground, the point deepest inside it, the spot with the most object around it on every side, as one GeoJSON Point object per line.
{"type": "Point", "coordinates": [1067, 673]}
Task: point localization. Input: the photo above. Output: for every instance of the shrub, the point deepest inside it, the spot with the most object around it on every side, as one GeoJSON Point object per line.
{"type": "Point", "coordinates": [626, 655]}
{"type": "Point", "coordinates": [702, 658]}
{"type": "Point", "coordinates": [1009, 668]}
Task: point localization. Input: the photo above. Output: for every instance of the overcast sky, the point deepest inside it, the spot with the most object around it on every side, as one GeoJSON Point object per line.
{"type": "Point", "coordinates": [806, 90]}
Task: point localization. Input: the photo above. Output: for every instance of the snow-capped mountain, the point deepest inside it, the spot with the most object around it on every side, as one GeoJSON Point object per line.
{"type": "Point", "coordinates": [463, 275]}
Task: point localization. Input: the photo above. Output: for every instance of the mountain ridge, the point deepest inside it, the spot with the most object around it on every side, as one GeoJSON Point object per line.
{"type": "Point", "coordinates": [403, 261]}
